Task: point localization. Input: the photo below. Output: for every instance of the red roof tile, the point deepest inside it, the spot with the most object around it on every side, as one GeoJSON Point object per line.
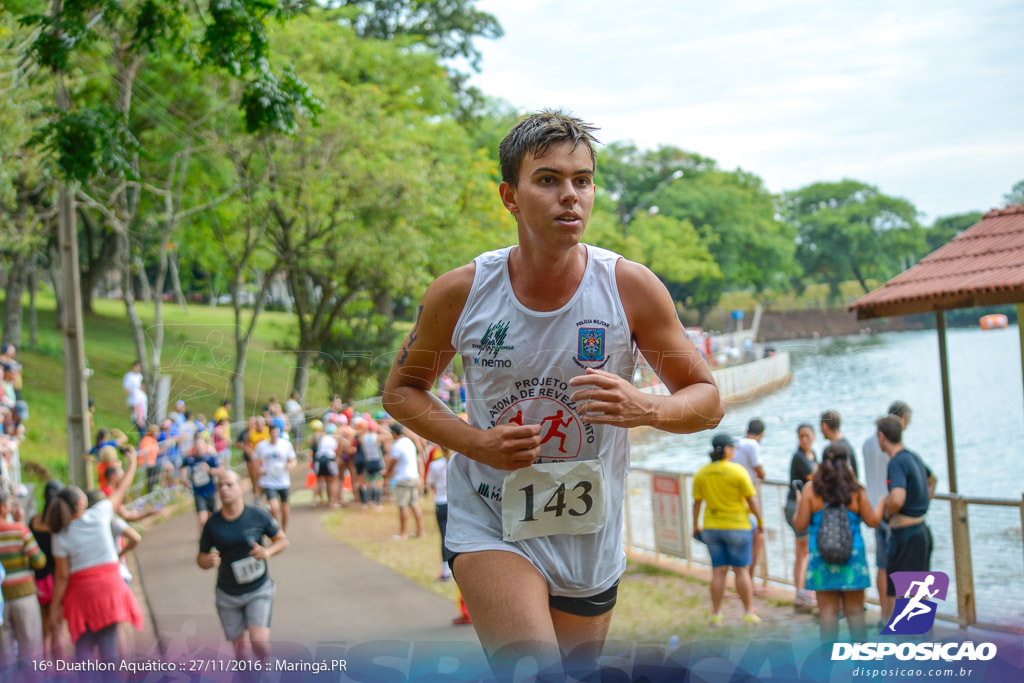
{"type": "Point", "coordinates": [981, 266]}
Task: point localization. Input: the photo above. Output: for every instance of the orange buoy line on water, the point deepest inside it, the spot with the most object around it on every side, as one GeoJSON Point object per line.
{"type": "Point", "coordinates": [994, 321]}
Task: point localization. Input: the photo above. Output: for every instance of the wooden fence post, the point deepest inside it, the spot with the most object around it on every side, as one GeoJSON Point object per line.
{"type": "Point", "coordinates": [962, 563]}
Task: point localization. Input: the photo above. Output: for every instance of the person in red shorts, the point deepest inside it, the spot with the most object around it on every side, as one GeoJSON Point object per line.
{"type": "Point", "coordinates": [88, 588]}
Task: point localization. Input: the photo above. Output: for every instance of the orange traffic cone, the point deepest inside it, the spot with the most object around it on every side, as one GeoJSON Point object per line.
{"type": "Point", "coordinates": [311, 477]}
{"type": "Point", "coordinates": [463, 617]}
{"type": "Point", "coordinates": [347, 484]}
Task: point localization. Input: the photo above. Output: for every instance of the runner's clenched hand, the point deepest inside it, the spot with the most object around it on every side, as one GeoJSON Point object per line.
{"type": "Point", "coordinates": [258, 551]}
{"type": "Point", "coordinates": [507, 447]}
{"type": "Point", "coordinates": [610, 400]}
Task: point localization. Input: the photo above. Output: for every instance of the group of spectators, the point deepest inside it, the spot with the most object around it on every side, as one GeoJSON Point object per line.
{"type": "Point", "coordinates": [63, 580]}
{"type": "Point", "coordinates": [893, 500]}
{"type": "Point", "coordinates": [13, 415]}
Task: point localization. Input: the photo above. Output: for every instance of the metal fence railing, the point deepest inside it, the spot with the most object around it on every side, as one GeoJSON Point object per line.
{"type": "Point", "coordinates": [978, 544]}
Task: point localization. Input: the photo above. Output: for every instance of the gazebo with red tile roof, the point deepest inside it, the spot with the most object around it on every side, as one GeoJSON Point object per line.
{"type": "Point", "coordinates": [982, 266]}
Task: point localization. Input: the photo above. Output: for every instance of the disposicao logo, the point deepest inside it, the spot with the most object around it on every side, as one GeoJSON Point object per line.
{"type": "Point", "coordinates": [914, 613]}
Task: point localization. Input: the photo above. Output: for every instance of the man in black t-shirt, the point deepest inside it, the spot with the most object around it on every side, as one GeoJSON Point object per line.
{"type": "Point", "coordinates": [830, 422]}
{"type": "Point", "coordinates": [911, 487]}
{"type": "Point", "coordinates": [232, 542]}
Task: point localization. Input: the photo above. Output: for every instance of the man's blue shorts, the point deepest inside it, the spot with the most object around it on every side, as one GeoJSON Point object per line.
{"type": "Point", "coordinates": [729, 547]}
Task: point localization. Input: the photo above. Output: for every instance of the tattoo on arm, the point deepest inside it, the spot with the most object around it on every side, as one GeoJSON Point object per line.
{"type": "Point", "coordinates": [411, 339]}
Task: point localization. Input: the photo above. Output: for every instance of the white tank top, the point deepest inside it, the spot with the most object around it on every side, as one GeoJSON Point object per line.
{"type": "Point", "coordinates": [517, 364]}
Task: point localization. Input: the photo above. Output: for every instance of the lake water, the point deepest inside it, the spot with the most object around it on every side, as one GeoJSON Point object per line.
{"type": "Point", "coordinates": [859, 377]}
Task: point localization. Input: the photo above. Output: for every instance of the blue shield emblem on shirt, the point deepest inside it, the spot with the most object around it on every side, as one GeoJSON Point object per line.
{"type": "Point", "coordinates": [591, 344]}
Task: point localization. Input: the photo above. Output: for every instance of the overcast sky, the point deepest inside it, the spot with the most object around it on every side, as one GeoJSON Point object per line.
{"type": "Point", "coordinates": [924, 99]}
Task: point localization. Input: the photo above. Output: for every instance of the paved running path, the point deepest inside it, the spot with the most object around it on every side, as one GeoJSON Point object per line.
{"type": "Point", "coordinates": [327, 592]}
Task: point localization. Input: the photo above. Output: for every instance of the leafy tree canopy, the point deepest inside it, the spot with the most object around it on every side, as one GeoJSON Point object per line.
{"type": "Point", "coordinates": [946, 228]}
{"type": "Point", "coordinates": [1016, 194]}
{"type": "Point", "coordinates": [228, 35]}
{"type": "Point", "coordinates": [849, 229]}
{"type": "Point", "coordinates": [446, 27]}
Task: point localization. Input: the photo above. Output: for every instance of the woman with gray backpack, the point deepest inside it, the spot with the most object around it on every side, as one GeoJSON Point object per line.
{"type": "Point", "coordinates": [833, 505]}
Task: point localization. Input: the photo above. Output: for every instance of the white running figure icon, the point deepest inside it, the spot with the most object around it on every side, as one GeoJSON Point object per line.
{"type": "Point", "coordinates": [914, 607]}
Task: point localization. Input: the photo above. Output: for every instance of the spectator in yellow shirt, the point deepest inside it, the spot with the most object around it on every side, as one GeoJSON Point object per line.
{"type": "Point", "coordinates": [731, 498]}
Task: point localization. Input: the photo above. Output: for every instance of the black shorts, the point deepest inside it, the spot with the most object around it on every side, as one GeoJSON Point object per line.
{"type": "Point", "coordinates": [910, 550]}
{"type": "Point", "coordinates": [592, 606]}
{"type": "Point", "coordinates": [325, 467]}
{"type": "Point", "coordinates": [360, 465]}
{"type": "Point", "coordinates": [276, 493]}
{"type": "Point", "coordinates": [374, 466]}
{"type": "Point", "coordinates": [206, 503]}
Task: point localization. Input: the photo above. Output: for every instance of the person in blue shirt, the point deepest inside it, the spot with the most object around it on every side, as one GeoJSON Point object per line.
{"type": "Point", "coordinates": [199, 471]}
{"type": "Point", "coordinates": [169, 460]}
{"type": "Point", "coordinates": [911, 486]}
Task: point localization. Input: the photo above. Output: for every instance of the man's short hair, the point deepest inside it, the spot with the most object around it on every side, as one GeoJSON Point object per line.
{"type": "Point", "coordinates": [110, 473]}
{"type": "Point", "coordinates": [755, 427]}
{"type": "Point", "coordinates": [536, 133]}
{"type": "Point", "coordinates": [890, 427]}
{"type": "Point", "coordinates": [899, 409]}
{"type": "Point", "coordinates": [830, 418]}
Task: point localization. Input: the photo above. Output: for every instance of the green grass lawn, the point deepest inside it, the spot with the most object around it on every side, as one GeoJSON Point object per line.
{"type": "Point", "coordinates": [198, 354]}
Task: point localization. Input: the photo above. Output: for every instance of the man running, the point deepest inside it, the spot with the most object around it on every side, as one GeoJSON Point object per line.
{"type": "Point", "coordinates": [198, 471]}
{"type": "Point", "coordinates": [275, 459]}
{"type": "Point", "coordinates": [549, 324]}
{"type": "Point", "coordinates": [231, 542]}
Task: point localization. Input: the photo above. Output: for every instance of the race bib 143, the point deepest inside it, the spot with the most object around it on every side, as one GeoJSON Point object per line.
{"type": "Point", "coordinates": [553, 498]}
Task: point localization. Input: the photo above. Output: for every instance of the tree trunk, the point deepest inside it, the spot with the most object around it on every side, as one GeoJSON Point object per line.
{"type": "Point", "coordinates": [88, 286]}
{"type": "Point", "coordinates": [144, 289]}
{"type": "Point", "coordinates": [138, 330]}
{"type": "Point", "coordinates": [12, 303]}
{"type": "Point", "coordinates": [238, 388]}
{"type": "Point", "coordinates": [33, 318]}
{"type": "Point", "coordinates": [384, 304]}
{"type": "Point", "coordinates": [179, 296]}
{"type": "Point", "coordinates": [241, 355]}
{"type": "Point", "coordinates": [835, 294]}
{"type": "Point", "coordinates": [53, 267]}
{"type": "Point", "coordinates": [860, 278]}
{"type": "Point", "coordinates": [99, 252]}
{"type": "Point", "coordinates": [303, 362]}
